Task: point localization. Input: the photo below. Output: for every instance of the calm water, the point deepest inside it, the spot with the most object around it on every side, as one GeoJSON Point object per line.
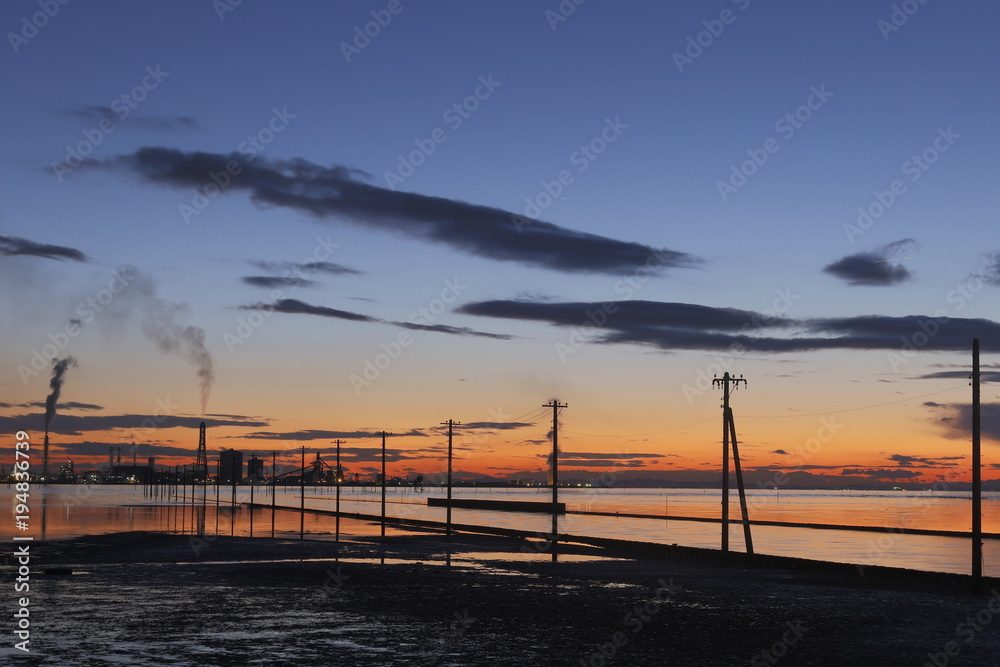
{"type": "Point", "coordinates": [69, 511]}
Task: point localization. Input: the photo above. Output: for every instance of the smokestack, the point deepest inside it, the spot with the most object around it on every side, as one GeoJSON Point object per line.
{"type": "Point", "coordinates": [45, 456]}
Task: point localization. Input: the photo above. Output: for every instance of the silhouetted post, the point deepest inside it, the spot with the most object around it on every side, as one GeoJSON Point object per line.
{"type": "Point", "coordinates": [450, 424]}
{"type": "Point", "coordinates": [739, 485]}
{"type": "Point", "coordinates": [977, 480]}
{"type": "Point", "coordinates": [383, 483]}
{"type": "Point", "coordinates": [274, 486]}
{"type": "Point", "coordinates": [302, 496]}
{"type": "Point", "coordinates": [555, 405]}
{"type": "Point", "coordinates": [728, 384]}
{"type": "Point", "coordinates": [339, 479]}
{"type": "Point", "coordinates": [253, 457]}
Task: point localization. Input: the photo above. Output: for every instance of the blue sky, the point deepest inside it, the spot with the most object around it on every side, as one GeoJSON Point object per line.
{"type": "Point", "coordinates": [553, 87]}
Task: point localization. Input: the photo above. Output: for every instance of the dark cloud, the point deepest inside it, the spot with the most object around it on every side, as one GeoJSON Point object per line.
{"type": "Point", "coordinates": [339, 192]}
{"type": "Point", "coordinates": [875, 267]}
{"type": "Point", "coordinates": [497, 426]}
{"type": "Point", "coordinates": [906, 461]}
{"type": "Point", "coordinates": [887, 474]}
{"type": "Point", "coordinates": [95, 113]}
{"type": "Point", "coordinates": [959, 420]}
{"type": "Point", "coordinates": [276, 281]}
{"type": "Point", "coordinates": [779, 451]}
{"type": "Point", "coordinates": [330, 268]}
{"type": "Point", "coordinates": [68, 405]}
{"type": "Point", "coordinates": [985, 376]}
{"type": "Point", "coordinates": [312, 434]}
{"type": "Point", "coordinates": [12, 245]}
{"type": "Point", "coordinates": [296, 307]}
{"type": "Point", "coordinates": [673, 326]}
{"type": "Point", "coordinates": [78, 424]}
{"type": "Point", "coordinates": [455, 331]}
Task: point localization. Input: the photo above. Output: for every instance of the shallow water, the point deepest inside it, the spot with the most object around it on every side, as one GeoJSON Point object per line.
{"type": "Point", "coordinates": [70, 511]}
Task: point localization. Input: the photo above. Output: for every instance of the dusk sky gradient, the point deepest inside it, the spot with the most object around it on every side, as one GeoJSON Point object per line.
{"type": "Point", "coordinates": [248, 214]}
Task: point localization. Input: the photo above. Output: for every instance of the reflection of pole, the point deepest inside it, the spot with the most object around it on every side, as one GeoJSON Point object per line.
{"type": "Point", "coordinates": [450, 424]}
{"type": "Point", "coordinates": [253, 458]}
{"type": "Point", "coordinates": [274, 486]}
{"type": "Point", "coordinates": [739, 484]}
{"type": "Point", "coordinates": [728, 384]}
{"type": "Point", "coordinates": [302, 497]}
{"type": "Point", "coordinates": [339, 479]}
{"type": "Point", "coordinates": [555, 405]}
{"type": "Point", "coordinates": [977, 481]}
{"type": "Point", "coordinates": [383, 483]}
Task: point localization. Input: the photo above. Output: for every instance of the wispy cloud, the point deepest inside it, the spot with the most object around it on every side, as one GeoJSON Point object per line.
{"type": "Point", "coordinates": [278, 281]}
{"type": "Point", "coordinates": [875, 267]}
{"type": "Point", "coordinates": [302, 269]}
{"type": "Point", "coordinates": [95, 113]}
{"type": "Point", "coordinates": [13, 245]}
{"type": "Point", "coordinates": [339, 192]}
{"type": "Point", "coordinates": [296, 307]}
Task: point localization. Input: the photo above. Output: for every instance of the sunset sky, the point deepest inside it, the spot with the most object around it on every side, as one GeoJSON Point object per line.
{"type": "Point", "coordinates": [308, 221]}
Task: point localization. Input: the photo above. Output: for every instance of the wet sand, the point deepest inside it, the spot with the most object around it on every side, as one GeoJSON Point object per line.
{"type": "Point", "coordinates": [147, 598]}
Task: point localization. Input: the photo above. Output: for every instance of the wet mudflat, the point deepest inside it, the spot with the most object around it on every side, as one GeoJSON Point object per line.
{"type": "Point", "coordinates": [153, 599]}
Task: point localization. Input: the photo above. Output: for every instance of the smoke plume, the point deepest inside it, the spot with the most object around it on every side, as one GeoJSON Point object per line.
{"type": "Point", "coordinates": [59, 367]}
{"type": "Point", "coordinates": [161, 322]}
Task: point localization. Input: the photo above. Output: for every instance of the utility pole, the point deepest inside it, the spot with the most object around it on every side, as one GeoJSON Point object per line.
{"type": "Point", "coordinates": [451, 425]}
{"type": "Point", "coordinates": [302, 496]}
{"type": "Point", "coordinates": [729, 384]}
{"type": "Point", "coordinates": [383, 483]}
{"type": "Point", "coordinates": [338, 479]}
{"type": "Point", "coordinates": [555, 405]}
{"type": "Point", "coordinates": [977, 481]}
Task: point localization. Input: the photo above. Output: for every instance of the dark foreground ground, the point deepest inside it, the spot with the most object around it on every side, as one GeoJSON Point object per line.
{"type": "Point", "coordinates": [151, 599]}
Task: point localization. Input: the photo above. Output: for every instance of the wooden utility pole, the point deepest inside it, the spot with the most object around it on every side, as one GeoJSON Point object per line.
{"type": "Point", "coordinates": [451, 424]}
{"type": "Point", "coordinates": [302, 496]}
{"type": "Point", "coordinates": [339, 480]}
{"type": "Point", "coordinates": [729, 384]}
{"type": "Point", "coordinates": [555, 405]}
{"type": "Point", "coordinates": [977, 480]}
{"type": "Point", "coordinates": [383, 483]}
